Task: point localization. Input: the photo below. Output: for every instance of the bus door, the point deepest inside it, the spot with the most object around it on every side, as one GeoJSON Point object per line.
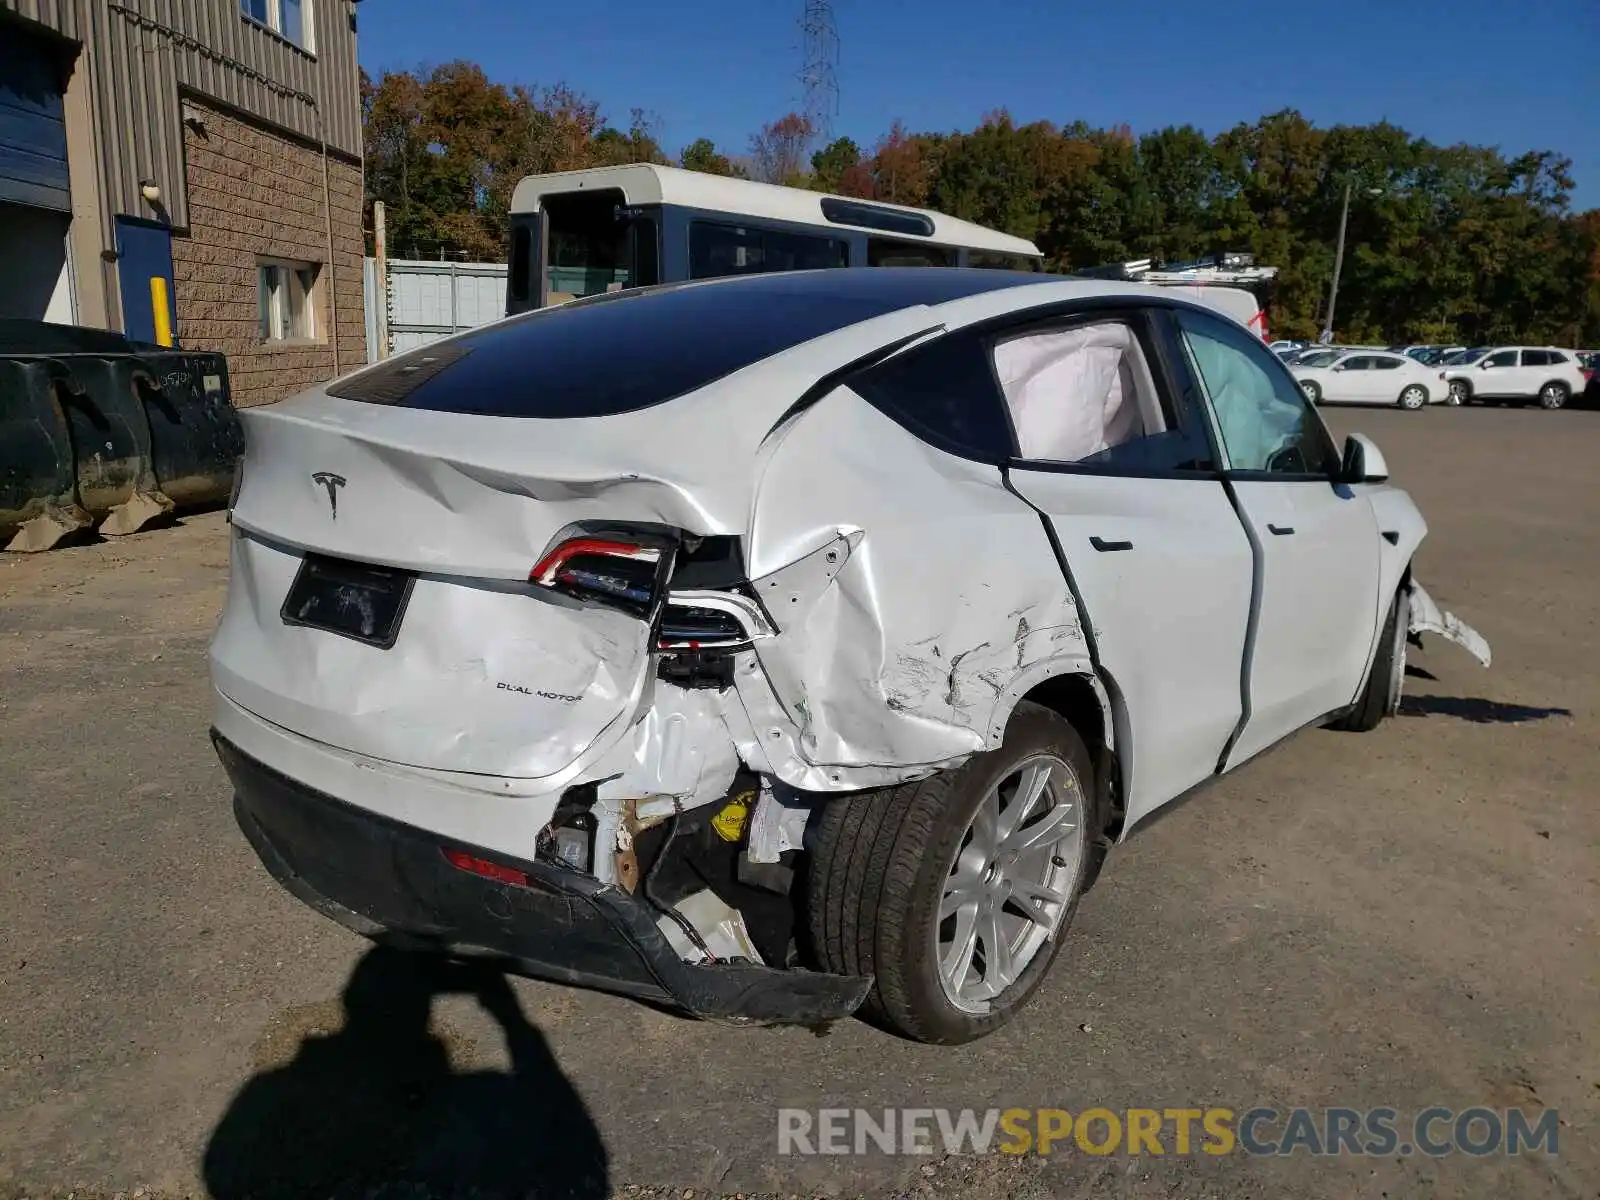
{"type": "Point", "coordinates": [581, 244]}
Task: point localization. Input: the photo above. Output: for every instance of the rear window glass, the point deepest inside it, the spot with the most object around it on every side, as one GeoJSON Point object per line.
{"type": "Point", "coordinates": [629, 350]}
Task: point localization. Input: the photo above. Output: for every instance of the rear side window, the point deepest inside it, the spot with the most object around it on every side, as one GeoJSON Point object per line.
{"type": "Point", "coordinates": [944, 392]}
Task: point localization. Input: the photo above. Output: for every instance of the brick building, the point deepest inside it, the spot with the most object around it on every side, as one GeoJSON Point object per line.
{"type": "Point", "coordinates": [188, 172]}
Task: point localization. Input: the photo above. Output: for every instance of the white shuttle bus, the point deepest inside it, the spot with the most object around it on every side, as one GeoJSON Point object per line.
{"type": "Point", "coordinates": [579, 233]}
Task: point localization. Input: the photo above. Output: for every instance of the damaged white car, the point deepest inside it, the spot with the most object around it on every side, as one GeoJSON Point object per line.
{"type": "Point", "coordinates": [778, 645]}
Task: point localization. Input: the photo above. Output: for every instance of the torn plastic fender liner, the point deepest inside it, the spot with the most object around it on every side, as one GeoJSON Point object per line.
{"type": "Point", "coordinates": [1428, 617]}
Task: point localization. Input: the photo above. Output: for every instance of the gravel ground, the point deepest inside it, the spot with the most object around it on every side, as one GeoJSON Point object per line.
{"type": "Point", "coordinates": [1404, 918]}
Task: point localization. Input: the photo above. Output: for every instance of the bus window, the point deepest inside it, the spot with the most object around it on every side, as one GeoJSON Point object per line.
{"type": "Point", "coordinates": [595, 246]}
{"type": "Point", "coordinates": [716, 249]}
{"type": "Point", "coordinates": [882, 252]}
{"type": "Point", "coordinates": [994, 260]}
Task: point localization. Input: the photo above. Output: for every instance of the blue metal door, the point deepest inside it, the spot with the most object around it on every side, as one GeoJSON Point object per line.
{"type": "Point", "coordinates": [144, 265]}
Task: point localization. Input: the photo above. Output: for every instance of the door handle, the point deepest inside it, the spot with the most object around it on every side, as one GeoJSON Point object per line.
{"type": "Point", "coordinates": [1280, 530]}
{"type": "Point", "coordinates": [1106, 547]}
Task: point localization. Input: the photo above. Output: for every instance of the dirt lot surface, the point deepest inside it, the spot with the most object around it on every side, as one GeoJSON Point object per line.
{"type": "Point", "coordinates": [1405, 918]}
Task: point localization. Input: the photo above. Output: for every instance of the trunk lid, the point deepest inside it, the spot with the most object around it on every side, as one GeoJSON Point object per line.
{"type": "Point", "coordinates": [486, 672]}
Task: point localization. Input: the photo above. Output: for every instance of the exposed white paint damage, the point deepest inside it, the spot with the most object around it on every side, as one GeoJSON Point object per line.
{"type": "Point", "coordinates": [1428, 617]}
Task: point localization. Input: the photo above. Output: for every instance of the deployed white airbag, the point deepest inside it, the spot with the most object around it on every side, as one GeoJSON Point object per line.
{"type": "Point", "coordinates": [1069, 391]}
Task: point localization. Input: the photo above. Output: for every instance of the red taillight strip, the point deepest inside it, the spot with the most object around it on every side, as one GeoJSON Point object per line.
{"type": "Point", "coordinates": [547, 568]}
{"type": "Point", "coordinates": [473, 865]}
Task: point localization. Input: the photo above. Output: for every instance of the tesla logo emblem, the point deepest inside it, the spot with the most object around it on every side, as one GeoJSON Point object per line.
{"type": "Point", "coordinates": [333, 483]}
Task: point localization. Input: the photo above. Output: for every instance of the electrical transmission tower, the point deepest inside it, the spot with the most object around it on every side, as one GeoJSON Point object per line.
{"type": "Point", "coordinates": [818, 76]}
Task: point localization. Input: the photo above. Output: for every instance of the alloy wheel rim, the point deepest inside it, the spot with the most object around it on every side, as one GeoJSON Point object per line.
{"type": "Point", "coordinates": [1552, 396]}
{"type": "Point", "coordinates": [1010, 885]}
{"type": "Point", "coordinates": [1411, 397]}
{"type": "Point", "coordinates": [1309, 390]}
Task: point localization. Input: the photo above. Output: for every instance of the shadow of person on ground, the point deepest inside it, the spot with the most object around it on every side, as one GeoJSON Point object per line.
{"type": "Point", "coordinates": [1480, 712]}
{"type": "Point", "coordinates": [377, 1103]}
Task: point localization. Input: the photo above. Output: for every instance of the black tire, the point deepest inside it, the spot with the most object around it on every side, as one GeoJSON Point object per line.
{"type": "Point", "coordinates": [1380, 697]}
{"type": "Point", "coordinates": [1312, 390]}
{"type": "Point", "coordinates": [1413, 397]}
{"type": "Point", "coordinates": [1460, 393]}
{"type": "Point", "coordinates": [878, 871]}
{"type": "Point", "coordinates": [1554, 395]}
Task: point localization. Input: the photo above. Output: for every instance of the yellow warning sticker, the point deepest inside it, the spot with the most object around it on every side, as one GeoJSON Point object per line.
{"type": "Point", "coordinates": [735, 815]}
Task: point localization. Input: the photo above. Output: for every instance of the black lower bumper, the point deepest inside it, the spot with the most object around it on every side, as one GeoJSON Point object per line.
{"type": "Point", "coordinates": [392, 882]}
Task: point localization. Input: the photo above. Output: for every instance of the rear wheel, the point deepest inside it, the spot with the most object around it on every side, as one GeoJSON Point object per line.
{"type": "Point", "coordinates": [1414, 397]}
{"type": "Point", "coordinates": [1312, 390]}
{"type": "Point", "coordinates": [1553, 394]}
{"type": "Point", "coordinates": [1380, 697]}
{"type": "Point", "coordinates": [954, 892]}
{"type": "Point", "coordinates": [1460, 393]}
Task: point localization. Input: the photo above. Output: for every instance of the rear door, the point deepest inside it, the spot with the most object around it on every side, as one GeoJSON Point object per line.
{"type": "Point", "coordinates": [1117, 459]}
{"type": "Point", "coordinates": [1317, 541]}
{"type": "Point", "coordinates": [1386, 379]}
{"type": "Point", "coordinates": [1353, 380]}
{"type": "Point", "coordinates": [1499, 375]}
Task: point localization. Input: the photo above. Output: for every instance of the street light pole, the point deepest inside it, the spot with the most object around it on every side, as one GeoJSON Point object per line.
{"type": "Point", "coordinates": [1338, 263]}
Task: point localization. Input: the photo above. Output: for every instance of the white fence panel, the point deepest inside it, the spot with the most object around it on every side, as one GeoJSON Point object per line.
{"type": "Point", "coordinates": [426, 301]}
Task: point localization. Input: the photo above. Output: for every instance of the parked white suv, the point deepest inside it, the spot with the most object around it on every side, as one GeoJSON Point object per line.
{"type": "Point", "coordinates": [1519, 374]}
{"type": "Point", "coordinates": [774, 644]}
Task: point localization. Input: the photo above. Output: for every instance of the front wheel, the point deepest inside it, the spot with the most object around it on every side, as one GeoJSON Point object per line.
{"type": "Point", "coordinates": [1312, 390]}
{"type": "Point", "coordinates": [954, 892]}
{"type": "Point", "coordinates": [1414, 397]}
{"type": "Point", "coordinates": [1380, 697]}
{"type": "Point", "coordinates": [1459, 393]}
{"type": "Point", "coordinates": [1553, 395]}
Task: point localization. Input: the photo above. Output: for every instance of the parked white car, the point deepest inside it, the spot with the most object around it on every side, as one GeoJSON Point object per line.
{"type": "Point", "coordinates": [1519, 374]}
{"type": "Point", "coordinates": [1370, 377]}
{"type": "Point", "coordinates": [771, 645]}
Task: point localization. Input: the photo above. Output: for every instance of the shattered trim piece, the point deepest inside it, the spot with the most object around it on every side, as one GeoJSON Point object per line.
{"type": "Point", "coordinates": [1428, 617]}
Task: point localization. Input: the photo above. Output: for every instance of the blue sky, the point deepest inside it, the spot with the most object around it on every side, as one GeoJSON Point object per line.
{"type": "Point", "coordinates": [1520, 74]}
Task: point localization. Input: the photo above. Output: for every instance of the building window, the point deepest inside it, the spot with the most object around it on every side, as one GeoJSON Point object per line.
{"type": "Point", "coordinates": [291, 19]}
{"type": "Point", "coordinates": [288, 293]}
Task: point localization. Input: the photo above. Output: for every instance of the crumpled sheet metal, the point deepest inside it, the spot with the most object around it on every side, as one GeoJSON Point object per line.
{"type": "Point", "coordinates": [1428, 617]}
{"type": "Point", "coordinates": [901, 665]}
{"type": "Point", "coordinates": [559, 685]}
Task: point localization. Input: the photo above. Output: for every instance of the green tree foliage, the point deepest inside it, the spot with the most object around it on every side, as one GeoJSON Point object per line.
{"type": "Point", "coordinates": [1443, 242]}
{"type": "Point", "coordinates": [701, 155]}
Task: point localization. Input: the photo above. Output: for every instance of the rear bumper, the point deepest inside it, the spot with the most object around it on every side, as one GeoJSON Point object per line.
{"type": "Point", "coordinates": [391, 882]}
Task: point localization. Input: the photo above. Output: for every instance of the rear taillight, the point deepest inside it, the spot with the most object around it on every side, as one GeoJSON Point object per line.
{"type": "Point", "coordinates": [693, 590]}
{"type": "Point", "coordinates": [712, 620]}
{"type": "Point", "coordinates": [623, 574]}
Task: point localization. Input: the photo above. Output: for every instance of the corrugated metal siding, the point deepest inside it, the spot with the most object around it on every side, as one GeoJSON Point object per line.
{"type": "Point", "coordinates": [140, 52]}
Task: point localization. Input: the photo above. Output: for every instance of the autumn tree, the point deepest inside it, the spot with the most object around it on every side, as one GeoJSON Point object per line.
{"type": "Point", "coordinates": [778, 151]}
